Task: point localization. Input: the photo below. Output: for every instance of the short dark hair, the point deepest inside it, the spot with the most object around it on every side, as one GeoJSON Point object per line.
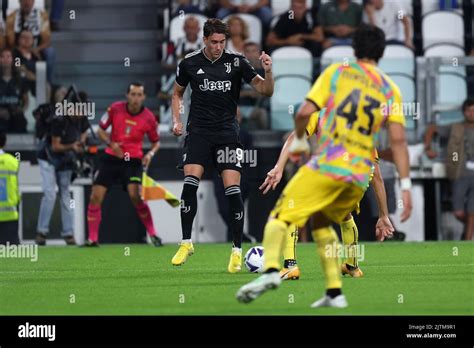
{"type": "Point", "coordinates": [467, 104]}
{"type": "Point", "coordinates": [216, 26]}
{"type": "Point", "coordinates": [368, 42]}
{"type": "Point", "coordinates": [3, 139]}
{"type": "Point", "coordinates": [136, 84]}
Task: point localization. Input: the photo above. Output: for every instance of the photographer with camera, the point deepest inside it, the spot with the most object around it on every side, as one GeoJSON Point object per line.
{"type": "Point", "coordinates": [64, 140]}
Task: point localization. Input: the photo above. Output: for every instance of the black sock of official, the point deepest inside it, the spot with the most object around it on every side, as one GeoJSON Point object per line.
{"type": "Point", "coordinates": [333, 292]}
{"type": "Point", "coordinates": [188, 204]}
{"type": "Point", "coordinates": [236, 211]}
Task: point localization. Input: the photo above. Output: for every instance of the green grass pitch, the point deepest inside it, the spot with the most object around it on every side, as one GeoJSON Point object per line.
{"type": "Point", "coordinates": [429, 278]}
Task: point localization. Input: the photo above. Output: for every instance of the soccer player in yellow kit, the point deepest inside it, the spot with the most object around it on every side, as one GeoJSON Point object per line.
{"type": "Point", "coordinates": [349, 231]}
{"type": "Point", "coordinates": [360, 99]}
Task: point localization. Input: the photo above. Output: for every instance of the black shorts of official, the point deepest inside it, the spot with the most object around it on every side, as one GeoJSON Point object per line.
{"type": "Point", "coordinates": [113, 170]}
{"type": "Point", "coordinates": [9, 232]}
{"type": "Point", "coordinates": [206, 151]}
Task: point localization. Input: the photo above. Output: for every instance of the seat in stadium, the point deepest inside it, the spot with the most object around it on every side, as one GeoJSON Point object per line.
{"type": "Point", "coordinates": [406, 84]}
{"type": "Point", "coordinates": [444, 50]}
{"type": "Point", "coordinates": [448, 51]}
{"type": "Point", "coordinates": [177, 23]}
{"type": "Point", "coordinates": [428, 6]}
{"type": "Point", "coordinates": [281, 6]}
{"type": "Point", "coordinates": [442, 27]}
{"type": "Point", "coordinates": [289, 92]}
{"type": "Point", "coordinates": [292, 60]}
{"type": "Point", "coordinates": [254, 24]}
{"type": "Point", "coordinates": [338, 53]}
{"type": "Point", "coordinates": [398, 59]}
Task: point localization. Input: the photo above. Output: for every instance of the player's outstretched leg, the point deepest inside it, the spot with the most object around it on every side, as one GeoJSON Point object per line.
{"type": "Point", "coordinates": [350, 238]}
{"type": "Point", "coordinates": [290, 270]}
{"type": "Point", "coordinates": [236, 218]}
{"type": "Point", "coordinates": [273, 244]}
{"type": "Point", "coordinates": [326, 238]}
{"type": "Point", "coordinates": [188, 212]}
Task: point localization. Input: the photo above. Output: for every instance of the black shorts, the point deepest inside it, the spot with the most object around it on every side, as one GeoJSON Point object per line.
{"type": "Point", "coordinates": [113, 170]}
{"type": "Point", "coordinates": [208, 151]}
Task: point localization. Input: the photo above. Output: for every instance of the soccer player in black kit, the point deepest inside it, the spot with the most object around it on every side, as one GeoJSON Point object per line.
{"type": "Point", "coordinates": [215, 75]}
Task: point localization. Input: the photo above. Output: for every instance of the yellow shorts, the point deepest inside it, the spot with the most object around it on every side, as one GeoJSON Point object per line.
{"type": "Point", "coordinates": [309, 192]}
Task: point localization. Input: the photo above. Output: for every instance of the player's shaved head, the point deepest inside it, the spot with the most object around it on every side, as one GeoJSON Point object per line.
{"type": "Point", "coordinates": [368, 42]}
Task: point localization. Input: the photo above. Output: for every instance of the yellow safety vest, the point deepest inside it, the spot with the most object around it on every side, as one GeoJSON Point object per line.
{"type": "Point", "coordinates": [9, 193]}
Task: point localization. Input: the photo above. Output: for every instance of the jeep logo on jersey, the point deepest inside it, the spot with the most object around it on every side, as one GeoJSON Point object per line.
{"type": "Point", "coordinates": [223, 86]}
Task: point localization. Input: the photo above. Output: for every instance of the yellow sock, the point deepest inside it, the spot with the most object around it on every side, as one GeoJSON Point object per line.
{"type": "Point", "coordinates": [273, 243]}
{"type": "Point", "coordinates": [350, 237]}
{"type": "Point", "coordinates": [327, 243]}
{"type": "Point", "coordinates": [289, 252]}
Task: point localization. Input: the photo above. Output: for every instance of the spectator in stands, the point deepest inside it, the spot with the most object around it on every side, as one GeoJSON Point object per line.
{"type": "Point", "coordinates": [13, 95]}
{"type": "Point", "coordinates": [459, 165]}
{"type": "Point", "coordinates": [191, 41]}
{"type": "Point", "coordinates": [239, 33]}
{"type": "Point", "coordinates": [253, 107]}
{"type": "Point", "coordinates": [388, 16]}
{"type": "Point", "coordinates": [37, 21]}
{"type": "Point", "coordinates": [2, 32]}
{"type": "Point", "coordinates": [339, 19]}
{"type": "Point", "coordinates": [259, 8]}
{"type": "Point", "coordinates": [186, 7]}
{"type": "Point", "coordinates": [24, 52]}
{"type": "Point", "coordinates": [57, 8]}
{"type": "Point", "coordinates": [298, 27]}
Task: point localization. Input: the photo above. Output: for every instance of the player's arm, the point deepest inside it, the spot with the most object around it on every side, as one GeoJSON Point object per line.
{"type": "Point", "coordinates": [299, 143]}
{"type": "Point", "coordinates": [177, 108]}
{"type": "Point", "coordinates": [383, 228]}
{"type": "Point", "coordinates": [274, 176]}
{"type": "Point", "coordinates": [265, 85]}
{"type": "Point", "coordinates": [399, 147]}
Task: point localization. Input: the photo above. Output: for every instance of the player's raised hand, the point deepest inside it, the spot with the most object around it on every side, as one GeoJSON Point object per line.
{"type": "Point", "coordinates": [178, 128]}
{"type": "Point", "coordinates": [384, 228]}
{"type": "Point", "coordinates": [407, 205]}
{"type": "Point", "coordinates": [272, 180]}
{"type": "Point", "coordinates": [266, 61]}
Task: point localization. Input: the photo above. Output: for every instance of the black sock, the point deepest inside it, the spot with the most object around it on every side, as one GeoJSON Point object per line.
{"type": "Point", "coordinates": [289, 263]}
{"type": "Point", "coordinates": [188, 204]}
{"type": "Point", "coordinates": [236, 211]}
{"type": "Point", "coordinates": [333, 292]}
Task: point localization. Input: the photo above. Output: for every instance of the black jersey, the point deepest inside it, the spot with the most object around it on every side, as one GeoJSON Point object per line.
{"type": "Point", "coordinates": [215, 89]}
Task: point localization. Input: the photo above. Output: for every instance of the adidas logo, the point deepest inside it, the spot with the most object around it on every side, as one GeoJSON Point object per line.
{"type": "Point", "coordinates": [200, 71]}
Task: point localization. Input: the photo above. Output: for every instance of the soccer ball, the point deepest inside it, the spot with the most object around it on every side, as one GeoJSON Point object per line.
{"type": "Point", "coordinates": [254, 259]}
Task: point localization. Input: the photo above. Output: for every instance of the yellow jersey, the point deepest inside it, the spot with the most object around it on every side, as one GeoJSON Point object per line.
{"type": "Point", "coordinates": [356, 100]}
